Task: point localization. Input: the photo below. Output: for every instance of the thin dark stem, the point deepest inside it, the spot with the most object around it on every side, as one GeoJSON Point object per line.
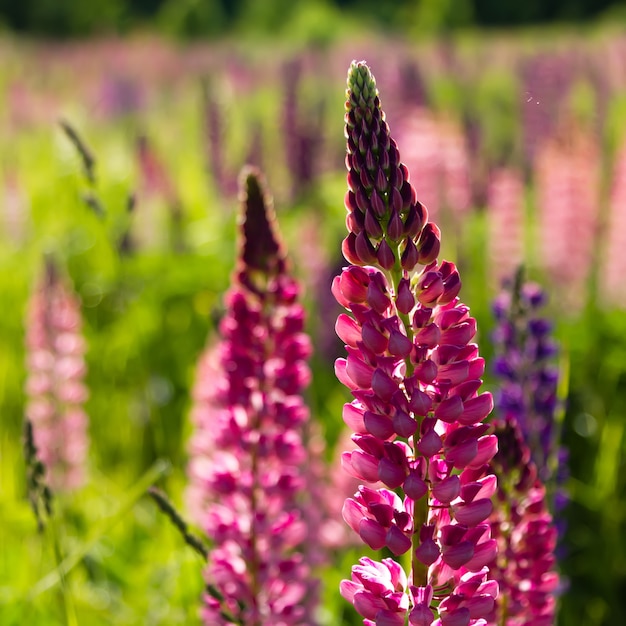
{"type": "Point", "coordinates": [167, 507]}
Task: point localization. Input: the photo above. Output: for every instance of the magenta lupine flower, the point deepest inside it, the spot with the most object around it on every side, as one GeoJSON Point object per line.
{"type": "Point", "coordinates": [525, 566]}
{"type": "Point", "coordinates": [417, 414]}
{"type": "Point", "coordinates": [55, 383]}
{"type": "Point", "coordinates": [247, 453]}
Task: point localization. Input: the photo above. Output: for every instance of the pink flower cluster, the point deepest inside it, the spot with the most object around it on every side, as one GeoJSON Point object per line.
{"type": "Point", "coordinates": [55, 384]}
{"type": "Point", "coordinates": [525, 567]}
{"type": "Point", "coordinates": [417, 414]}
{"type": "Point", "coordinates": [247, 451]}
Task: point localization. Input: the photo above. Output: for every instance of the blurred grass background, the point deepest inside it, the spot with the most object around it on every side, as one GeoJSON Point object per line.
{"type": "Point", "coordinates": [173, 98]}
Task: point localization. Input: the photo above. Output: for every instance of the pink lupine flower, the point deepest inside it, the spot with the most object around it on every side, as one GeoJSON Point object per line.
{"type": "Point", "coordinates": [417, 414]}
{"type": "Point", "coordinates": [611, 278]}
{"type": "Point", "coordinates": [418, 133]}
{"type": "Point", "coordinates": [456, 180]}
{"type": "Point", "coordinates": [568, 201]}
{"type": "Point", "coordinates": [247, 453]}
{"type": "Point", "coordinates": [55, 384]}
{"type": "Point", "coordinates": [505, 206]}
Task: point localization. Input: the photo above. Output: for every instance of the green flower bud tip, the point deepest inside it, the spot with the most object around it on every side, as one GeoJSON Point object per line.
{"type": "Point", "coordinates": [361, 82]}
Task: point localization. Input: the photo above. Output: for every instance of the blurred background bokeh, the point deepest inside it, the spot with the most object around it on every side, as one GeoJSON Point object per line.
{"type": "Point", "coordinates": [511, 117]}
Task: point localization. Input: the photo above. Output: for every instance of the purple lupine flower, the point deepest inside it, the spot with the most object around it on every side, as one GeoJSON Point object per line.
{"type": "Point", "coordinates": [55, 384]}
{"type": "Point", "coordinates": [247, 452]}
{"type": "Point", "coordinates": [525, 566]}
{"type": "Point", "coordinates": [417, 412]}
{"type": "Point", "coordinates": [303, 134]}
{"type": "Point", "coordinates": [525, 351]}
{"type": "Point", "coordinates": [214, 141]}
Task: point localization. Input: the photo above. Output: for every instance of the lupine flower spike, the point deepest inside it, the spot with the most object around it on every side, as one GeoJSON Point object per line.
{"type": "Point", "coordinates": [55, 388]}
{"type": "Point", "coordinates": [525, 567]}
{"type": "Point", "coordinates": [417, 414]}
{"type": "Point", "coordinates": [529, 463]}
{"type": "Point", "coordinates": [528, 387]}
{"type": "Point", "coordinates": [247, 451]}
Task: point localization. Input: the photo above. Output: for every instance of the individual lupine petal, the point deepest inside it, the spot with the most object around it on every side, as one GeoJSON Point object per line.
{"type": "Point", "coordinates": [405, 300]}
{"type": "Point", "coordinates": [373, 338]}
{"type": "Point", "coordinates": [447, 490]}
{"type": "Point", "coordinates": [410, 256]}
{"type": "Point", "coordinates": [390, 473]}
{"type": "Point", "coordinates": [353, 417]}
{"type": "Point", "coordinates": [383, 385]}
{"type": "Point", "coordinates": [397, 541]}
{"type": "Point", "coordinates": [377, 293]}
{"type": "Point", "coordinates": [476, 409]}
{"type": "Point", "coordinates": [342, 374]}
{"type": "Point", "coordinates": [358, 370]}
{"type": "Point", "coordinates": [421, 614]}
{"type": "Point", "coordinates": [429, 288]}
{"type": "Point", "coordinates": [348, 330]}
{"type": "Point", "coordinates": [365, 251]}
{"type": "Point", "coordinates": [458, 554]}
{"type": "Point", "coordinates": [373, 228]}
{"type": "Point", "coordinates": [430, 443]}
{"type": "Point", "coordinates": [414, 486]}
{"type": "Point", "coordinates": [380, 426]}
{"type": "Point", "coordinates": [353, 284]}
{"type": "Point", "coordinates": [473, 513]}
{"type": "Point", "coordinates": [450, 410]}
{"type": "Point", "coordinates": [361, 464]}
{"type": "Point", "coordinates": [385, 255]}
{"type": "Point", "coordinates": [372, 533]}
{"type": "Point", "coordinates": [484, 554]}
{"type": "Point", "coordinates": [395, 227]}
{"type": "Point", "coordinates": [399, 344]}
{"type": "Point", "coordinates": [429, 244]}
{"type": "Point", "coordinates": [403, 424]}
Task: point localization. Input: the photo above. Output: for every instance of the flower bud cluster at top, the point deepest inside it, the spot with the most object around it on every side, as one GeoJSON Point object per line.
{"type": "Point", "coordinates": [417, 413]}
{"type": "Point", "coordinates": [247, 451]}
{"type": "Point", "coordinates": [55, 385]}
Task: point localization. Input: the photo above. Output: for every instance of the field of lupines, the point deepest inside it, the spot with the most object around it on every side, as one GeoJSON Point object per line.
{"type": "Point", "coordinates": [185, 439]}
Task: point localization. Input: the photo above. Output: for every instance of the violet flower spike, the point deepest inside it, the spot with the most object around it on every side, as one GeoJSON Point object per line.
{"type": "Point", "coordinates": [529, 460]}
{"type": "Point", "coordinates": [417, 414]}
{"type": "Point", "coordinates": [247, 453]}
{"type": "Point", "coordinates": [55, 384]}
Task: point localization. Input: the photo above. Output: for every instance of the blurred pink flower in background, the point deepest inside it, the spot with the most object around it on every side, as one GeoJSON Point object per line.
{"type": "Point", "coordinates": [249, 469]}
{"type": "Point", "coordinates": [55, 383]}
{"type": "Point", "coordinates": [505, 208]}
{"type": "Point", "coordinates": [567, 174]}
{"type": "Point", "coordinates": [611, 277]}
